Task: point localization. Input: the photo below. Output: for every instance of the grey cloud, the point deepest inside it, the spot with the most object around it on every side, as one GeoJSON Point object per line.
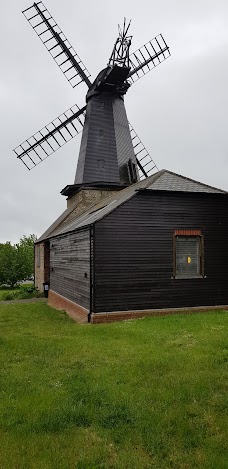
{"type": "Point", "coordinates": [179, 109]}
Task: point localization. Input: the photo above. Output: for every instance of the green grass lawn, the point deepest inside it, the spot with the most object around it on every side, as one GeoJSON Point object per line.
{"type": "Point", "coordinates": [148, 393]}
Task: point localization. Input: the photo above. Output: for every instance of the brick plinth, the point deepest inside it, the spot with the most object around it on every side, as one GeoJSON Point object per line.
{"type": "Point", "coordinates": [97, 318]}
{"type": "Point", "coordinates": [75, 311]}
{"type": "Point", "coordinates": [85, 198]}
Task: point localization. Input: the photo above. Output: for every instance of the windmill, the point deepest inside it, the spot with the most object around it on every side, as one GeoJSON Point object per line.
{"type": "Point", "coordinates": [111, 152]}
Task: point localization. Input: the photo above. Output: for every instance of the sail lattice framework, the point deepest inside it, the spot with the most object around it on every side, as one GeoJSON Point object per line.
{"type": "Point", "coordinates": [122, 71]}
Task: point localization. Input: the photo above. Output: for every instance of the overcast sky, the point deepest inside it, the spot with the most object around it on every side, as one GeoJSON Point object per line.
{"type": "Point", "coordinates": [179, 110]}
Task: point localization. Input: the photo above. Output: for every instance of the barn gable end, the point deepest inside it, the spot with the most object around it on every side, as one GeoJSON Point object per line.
{"type": "Point", "coordinates": [134, 252]}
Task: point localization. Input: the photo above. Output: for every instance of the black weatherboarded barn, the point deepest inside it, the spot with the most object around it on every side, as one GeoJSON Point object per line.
{"type": "Point", "coordinates": [153, 247]}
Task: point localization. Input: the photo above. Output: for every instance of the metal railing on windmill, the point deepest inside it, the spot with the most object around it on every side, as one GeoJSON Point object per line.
{"type": "Point", "coordinates": [104, 115]}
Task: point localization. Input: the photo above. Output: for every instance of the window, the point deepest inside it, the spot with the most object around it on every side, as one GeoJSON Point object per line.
{"type": "Point", "coordinates": [132, 171]}
{"type": "Point", "coordinates": [188, 250]}
{"type": "Point", "coordinates": [101, 164]}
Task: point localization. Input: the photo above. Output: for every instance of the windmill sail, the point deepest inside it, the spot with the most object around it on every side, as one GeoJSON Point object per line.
{"type": "Point", "coordinates": [147, 57]}
{"type": "Point", "coordinates": [145, 162]}
{"type": "Point", "coordinates": [53, 136]}
{"type": "Point", "coordinates": [111, 151]}
{"type": "Point", "coordinates": [57, 44]}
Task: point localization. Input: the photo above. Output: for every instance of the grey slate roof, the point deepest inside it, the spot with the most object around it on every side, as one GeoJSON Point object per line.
{"type": "Point", "coordinates": [161, 181]}
{"type": "Point", "coordinates": [173, 182]}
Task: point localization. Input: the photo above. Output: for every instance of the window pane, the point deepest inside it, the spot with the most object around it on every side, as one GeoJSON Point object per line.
{"type": "Point", "coordinates": [187, 256]}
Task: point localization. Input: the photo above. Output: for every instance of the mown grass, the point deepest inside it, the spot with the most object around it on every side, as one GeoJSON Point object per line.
{"type": "Point", "coordinates": [20, 292]}
{"type": "Point", "coordinates": [140, 394]}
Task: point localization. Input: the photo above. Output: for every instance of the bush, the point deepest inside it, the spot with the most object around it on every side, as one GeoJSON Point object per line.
{"type": "Point", "coordinates": [29, 292]}
{"type": "Point", "coordinates": [28, 288]}
{"type": "Point", "coordinates": [22, 292]}
{"type": "Point", "coordinates": [7, 296]}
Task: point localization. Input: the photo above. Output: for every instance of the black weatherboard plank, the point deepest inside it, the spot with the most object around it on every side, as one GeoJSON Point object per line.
{"type": "Point", "coordinates": [70, 267]}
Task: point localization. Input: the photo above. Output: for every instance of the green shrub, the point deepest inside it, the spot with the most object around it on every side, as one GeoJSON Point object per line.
{"type": "Point", "coordinates": [22, 292]}
{"type": "Point", "coordinates": [7, 296]}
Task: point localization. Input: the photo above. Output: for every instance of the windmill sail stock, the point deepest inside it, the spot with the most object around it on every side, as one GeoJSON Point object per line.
{"type": "Point", "coordinates": [147, 57]}
{"type": "Point", "coordinates": [51, 137]}
{"type": "Point", "coordinates": [57, 44]}
{"type": "Point", "coordinates": [58, 132]}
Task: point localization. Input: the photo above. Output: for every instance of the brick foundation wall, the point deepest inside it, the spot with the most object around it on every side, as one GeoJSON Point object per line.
{"type": "Point", "coordinates": [80, 314]}
{"type": "Point", "coordinates": [98, 318]}
{"type": "Point", "coordinates": [75, 311]}
{"type": "Point", "coordinates": [88, 197]}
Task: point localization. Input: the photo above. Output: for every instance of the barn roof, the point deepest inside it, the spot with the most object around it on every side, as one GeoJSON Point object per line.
{"type": "Point", "coordinates": [163, 180]}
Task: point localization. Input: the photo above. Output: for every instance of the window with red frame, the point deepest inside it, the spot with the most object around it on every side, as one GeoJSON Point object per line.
{"type": "Point", "coordinates": [188, 254]}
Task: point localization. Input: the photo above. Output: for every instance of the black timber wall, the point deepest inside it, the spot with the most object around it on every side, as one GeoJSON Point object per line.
{"type": "Point", "coordinates": [97, 160]}
{"type": "Point", "coordinates": [70, 266]}
{"type": "Point", "coordinates": [106, 144]}
{"type": "Point", "coordinates": [134, 252]}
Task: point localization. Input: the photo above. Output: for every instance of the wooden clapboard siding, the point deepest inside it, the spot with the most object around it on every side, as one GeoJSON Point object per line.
{"type": "Point", "coordinates": [70, 266]}
{"type": "Point", "coordinates": [134, 252]}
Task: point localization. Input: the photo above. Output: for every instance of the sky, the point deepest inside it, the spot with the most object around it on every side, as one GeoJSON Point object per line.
{"type": "Point", "coordinates": [179, 109]}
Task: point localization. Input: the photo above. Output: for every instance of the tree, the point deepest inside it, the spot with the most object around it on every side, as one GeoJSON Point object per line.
{"type": "Point", "coordinates": [1, 272]}
{"type": "Point", "coordinates": [26, 248]}
{"type": "Point", "coordinates": [17, 261]}
{"type": "Point", "coordinates": [10, 267]}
